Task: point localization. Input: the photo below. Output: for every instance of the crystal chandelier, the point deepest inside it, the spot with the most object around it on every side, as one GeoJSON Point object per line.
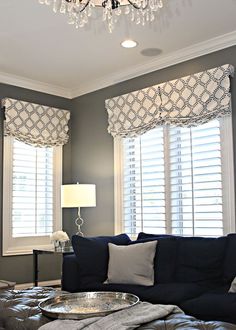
{"type": "Point", "coordinates": [79, 11]}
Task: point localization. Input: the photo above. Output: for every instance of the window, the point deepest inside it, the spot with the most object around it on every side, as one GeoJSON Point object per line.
{"type": "Point", "coordinates": [31, 205]}
{"type": "Point", "coordinates": [176, 180]}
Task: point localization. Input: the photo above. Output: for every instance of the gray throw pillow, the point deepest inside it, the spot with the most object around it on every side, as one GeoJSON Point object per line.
{"type": "Point", "coordinates": [233, 286]}
{"type": "Point", "coordinates": [131, 264]}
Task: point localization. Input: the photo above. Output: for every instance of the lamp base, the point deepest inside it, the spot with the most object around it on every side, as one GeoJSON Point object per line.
{"type": "Point", "coordinates": [79, 222]}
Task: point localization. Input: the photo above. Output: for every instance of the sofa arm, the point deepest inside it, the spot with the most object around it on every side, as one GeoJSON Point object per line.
{"type": "Point", "coordinates": [70, 273]}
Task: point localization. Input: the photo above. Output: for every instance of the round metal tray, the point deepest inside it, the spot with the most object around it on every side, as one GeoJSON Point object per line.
{"type": "Point", "coordinates": [86, 304]}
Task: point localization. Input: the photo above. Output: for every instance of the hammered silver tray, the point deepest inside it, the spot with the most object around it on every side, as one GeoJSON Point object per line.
{"type": "Point", "coordinates": [86, 304]}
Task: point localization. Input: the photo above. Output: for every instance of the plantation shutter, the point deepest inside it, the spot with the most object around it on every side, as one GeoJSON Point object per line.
{"type": "Point", "coordinates": [33, 137]}
{"type": "Point", "coordinates": [144, 183]}
{"type": "Point", "coordinates": [32, 190]}
{"type": "Point", "coordinates": [174, 169]}
{"type": "Point", "coordinates": [196, 180]}
{"type": "Point", "coordinates": [173, 181]}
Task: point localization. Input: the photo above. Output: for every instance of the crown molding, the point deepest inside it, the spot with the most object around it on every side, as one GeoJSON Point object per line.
{"type": "Point", "coordinates": [35, 85]}
{"type": "Point", "coordinates": [163, 61]}
{"type": "Point", "coordinates": [185, 54]}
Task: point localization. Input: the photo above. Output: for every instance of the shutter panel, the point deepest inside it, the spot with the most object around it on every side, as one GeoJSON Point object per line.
{"type": "Point", "coordinates": [144, 183]}
{"type": "Point", "coordinates": [196, 180]}
{"type": "Point", "coordinates": [173, 181]}
{"type": "Point", "coordinates": [32, 189]}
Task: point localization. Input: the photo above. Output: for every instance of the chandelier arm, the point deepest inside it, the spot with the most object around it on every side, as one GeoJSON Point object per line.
{"type": "Point", "coordinates": [104, 3]}
{"type": "Point", "coordinates": [136, 6]}
{"type": "Point", "coordinates": [85, 6]}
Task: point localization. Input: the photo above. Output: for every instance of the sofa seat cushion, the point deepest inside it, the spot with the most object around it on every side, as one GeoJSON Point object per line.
{"type": "Point", "coordinates": [212, 306]}
{"type": "Point", "coordinates": [92, 256]}
{"type": "Point", "coordinates": [171, 293]}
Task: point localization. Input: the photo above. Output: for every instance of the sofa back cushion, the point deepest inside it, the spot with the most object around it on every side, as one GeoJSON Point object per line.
{"type": "Point", "coordinates": [166, 255]}
{"type": "Point", "coordinates": [143, 235]}
{"type": "Point", "coordinates": [165, 262]}
{"type": "Point", "coordinates": [230, 259]}
{"type": "Point", "coordinates": [92, 256]}
{"type": "Point", "coordinates": [200, 260]}
{"type": "Point", "coordinates": [188, 259]}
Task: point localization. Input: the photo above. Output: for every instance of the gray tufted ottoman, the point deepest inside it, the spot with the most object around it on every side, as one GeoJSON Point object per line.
{"type": "Point", "coordinates": [19, 311]}
{"type": "Point", "coordinates": [19, 308]}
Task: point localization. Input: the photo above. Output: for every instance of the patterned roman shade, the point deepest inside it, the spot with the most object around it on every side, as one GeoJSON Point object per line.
{"type": "Point", "coordinates": [188, 101]}
{"type": "Point", "coordinates": [35, 124]}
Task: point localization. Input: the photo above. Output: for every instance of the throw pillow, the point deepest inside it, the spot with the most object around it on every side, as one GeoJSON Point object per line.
{"type": "Point", "coordinates": [92, 256]}
{"type": "Point", "coordinates": [132, 264]}
{"type": "Point", "coordinates": [233, 286]}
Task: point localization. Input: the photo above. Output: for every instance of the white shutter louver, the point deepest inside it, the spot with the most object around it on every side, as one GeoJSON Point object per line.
{"type": "Point", "coordinates": [144, 185]}
{"type": "Point", "coordinates": [32, 190]}
{"type": "Point", "coordinates": [173, 181]}
{"type": "Point", "coordinates": [196, 180]}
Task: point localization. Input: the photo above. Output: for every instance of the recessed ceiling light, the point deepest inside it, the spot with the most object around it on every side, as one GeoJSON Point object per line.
{"type": "Point", "coordinates": [129, 43]}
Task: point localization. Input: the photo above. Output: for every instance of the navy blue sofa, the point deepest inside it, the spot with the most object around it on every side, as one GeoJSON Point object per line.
{"type": "Point", "coordinates": [193, 273]}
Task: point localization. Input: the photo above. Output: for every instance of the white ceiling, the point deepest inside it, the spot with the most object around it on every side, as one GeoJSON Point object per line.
{"type": "Point", "coordinates": [39, 50]}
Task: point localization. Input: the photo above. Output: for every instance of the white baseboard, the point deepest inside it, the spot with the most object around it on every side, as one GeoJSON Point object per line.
{"type": "Point", "coordinates": [23, 286]}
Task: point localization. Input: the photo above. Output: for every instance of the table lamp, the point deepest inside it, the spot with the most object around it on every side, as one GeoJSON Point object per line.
{"type": "Point", "coordinates": [78, 195]}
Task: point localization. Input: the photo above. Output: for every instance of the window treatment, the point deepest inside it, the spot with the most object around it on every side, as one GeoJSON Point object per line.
{"type": "Point", "coordinates": [35, 124]}
{"type": "Point", "coordinates": [187, 101]}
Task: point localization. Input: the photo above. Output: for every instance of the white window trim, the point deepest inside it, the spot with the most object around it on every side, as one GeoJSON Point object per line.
{"type": "Point", "coordinates": [25, 245]}
{"type": "Point", "coordinates": [227, 171]}
{"type": "Point", "coordinates": [228, 174]}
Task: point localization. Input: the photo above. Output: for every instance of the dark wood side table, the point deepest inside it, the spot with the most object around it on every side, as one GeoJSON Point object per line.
{"type": "Point", "coordinates": [37, 252]}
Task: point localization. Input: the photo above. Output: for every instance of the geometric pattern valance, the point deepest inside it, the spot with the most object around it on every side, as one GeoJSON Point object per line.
{"type": "Point", "coordinates": [35, 124]}
{"type": "Point", "coordinates": [187, 101]}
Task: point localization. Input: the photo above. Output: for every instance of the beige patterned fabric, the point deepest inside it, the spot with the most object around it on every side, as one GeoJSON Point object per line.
{"type": "Point", "coordinates": [35, 124]}
{"type": "Point", "coordinates": [188, 101]}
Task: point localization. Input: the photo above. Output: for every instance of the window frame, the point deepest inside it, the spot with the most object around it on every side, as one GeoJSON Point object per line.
{"type": "Point", "coordinates": [25, 245]}
{"type": "Point", "coordinates": [227, 175]}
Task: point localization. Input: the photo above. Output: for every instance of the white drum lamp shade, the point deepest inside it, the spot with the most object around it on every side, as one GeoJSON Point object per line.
{"type": "Point", "coordinates": [78, 195]}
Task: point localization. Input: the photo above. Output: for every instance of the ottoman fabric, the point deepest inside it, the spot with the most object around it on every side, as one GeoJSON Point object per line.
{"type": "Point", "coordinates": [19, 309]}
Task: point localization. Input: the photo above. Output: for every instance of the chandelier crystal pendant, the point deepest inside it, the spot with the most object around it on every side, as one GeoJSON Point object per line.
{"type": "Point", "coordinates": [79, 11]}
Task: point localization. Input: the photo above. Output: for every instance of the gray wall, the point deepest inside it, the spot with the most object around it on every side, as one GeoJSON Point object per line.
{"type": "Point", "coordinates": [88, 157]}
{"type": "Point", "coordinates": [20, 268]}
{"type": "Point", "coordinates": [92, 146]}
